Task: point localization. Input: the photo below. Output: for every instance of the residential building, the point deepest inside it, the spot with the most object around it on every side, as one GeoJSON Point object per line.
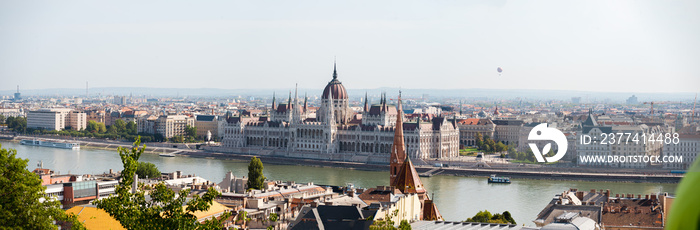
{"type": "Point", "coordinates": [687, 149]}
{"type": "Point", "coordinates": [630, 150]}
{"type": "Point", "coordinates": [8, 112]}
{"type": "Point", "coordinates": [623, 211]}
{"type": "Point", "coordinates": [508, 131]}
{"type": "Point", "coordinates": [76, 120]}
{"type": "Point", "coordinates": [172, 125]}
{"type": "Point", "coordinates": [72, 190]}
{"type": "Point", "coordinates": [207, 124]}
{"type": "Point", "coordinates": [468, 128]}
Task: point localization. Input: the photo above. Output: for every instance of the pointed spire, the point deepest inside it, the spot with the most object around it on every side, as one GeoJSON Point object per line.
{"type": "Point", "coordinates": [382, 102]}
{"type": "Point", "coordinates": [398, 148]}
{"type": "Point", "coordinates": [305, 100]}
{"type": "Point", "coordinates": [289, 101]}
{"type": "Point", "coordinates": [460, 107]}
{"type": "Point", "coordinates": [366, 103]}
{"type": "Point", "coordinates": [273, 101]}
{"type": "Point", "coordinates": [335, 73]}
{"type": "Point", "coordinates": [297, 116]}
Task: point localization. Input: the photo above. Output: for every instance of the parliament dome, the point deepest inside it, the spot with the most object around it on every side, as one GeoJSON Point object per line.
{"type": "Point", "coordinates": [335, 87]}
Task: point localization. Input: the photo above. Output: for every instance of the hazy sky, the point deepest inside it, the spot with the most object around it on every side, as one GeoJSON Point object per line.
{"type": "Point", "coordinates": [629, 46]}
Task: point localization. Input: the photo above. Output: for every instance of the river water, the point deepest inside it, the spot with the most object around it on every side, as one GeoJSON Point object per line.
{"type": "Point", "coordinates": [458, 198]}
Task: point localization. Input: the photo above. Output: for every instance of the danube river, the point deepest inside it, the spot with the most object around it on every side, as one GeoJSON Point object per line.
{"type": "Point", "coordinates": [457, 197]}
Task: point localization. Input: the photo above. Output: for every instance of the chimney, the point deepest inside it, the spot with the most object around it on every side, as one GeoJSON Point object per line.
{"type": "Point", "coordinates": [579, 195]}
{"type": "Point", "coordinates": [136, 183]}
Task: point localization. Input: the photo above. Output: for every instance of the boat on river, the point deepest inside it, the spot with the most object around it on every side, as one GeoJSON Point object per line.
{"type": "Point", "coordinates": [498, 179]}
{"type": "Point", "coordinates": [52, 144]}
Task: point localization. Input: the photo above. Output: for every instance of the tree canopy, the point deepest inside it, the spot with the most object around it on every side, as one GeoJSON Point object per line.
{"type": "Point", "coordinates": [486, 217]}
{"type": "Point", "coordinates": [256, 179]}
{"type": "Point", "coordinates": [21, 193]}
{"type": "Point", "coordinates": [17, 124]}
{"type": "Point", "coordinates": [147, 170]}
{"type": "Point", "coordinates": [165, 209]}
{"type": "Point", "coordinates": [191, 131]}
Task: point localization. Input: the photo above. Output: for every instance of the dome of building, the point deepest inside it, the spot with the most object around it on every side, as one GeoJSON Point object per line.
{"type": "Point", "coordinates": [335, 87]}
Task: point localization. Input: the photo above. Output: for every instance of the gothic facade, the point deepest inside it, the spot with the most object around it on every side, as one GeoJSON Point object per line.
{"type": "Point", "coordinates": [337, 129]}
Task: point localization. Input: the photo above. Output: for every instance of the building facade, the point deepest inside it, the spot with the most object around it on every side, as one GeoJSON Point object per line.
{"type": "Point", "coordinates": [508, 131]}
{"type": "Point", "coordinates": [56, 119]}
{"type": "Point", "coordinates": [207, 124]}
{"type": "Point", "coordinates": [687, 149]}
{"type": "Point", "coordinates": [76, 120]}
{"type": "Point", "coordinates": [336, 130]}
{"type": "Point", "coordinates": [172, 125]}
{"type": "Point", "coordinates": [621, 149]}
{"type": "Point", "coordinates": [468, 128]}
{"type": "Point", "coordinates": [45, 119]}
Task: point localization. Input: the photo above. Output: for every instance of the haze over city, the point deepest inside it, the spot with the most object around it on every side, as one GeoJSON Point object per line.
{"type": "Point", "coordinates": [610, 46]}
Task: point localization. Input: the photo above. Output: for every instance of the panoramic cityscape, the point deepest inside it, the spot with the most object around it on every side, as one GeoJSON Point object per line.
{"type": "Point", "coordinates": [160, 122]}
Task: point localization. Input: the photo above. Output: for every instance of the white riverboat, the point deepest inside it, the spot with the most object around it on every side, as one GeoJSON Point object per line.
{"type": "Point", "coordinates": [52, 144]}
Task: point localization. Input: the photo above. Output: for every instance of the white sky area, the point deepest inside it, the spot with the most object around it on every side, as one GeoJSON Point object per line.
{"type": "Point", "coordinates": [612, 46]}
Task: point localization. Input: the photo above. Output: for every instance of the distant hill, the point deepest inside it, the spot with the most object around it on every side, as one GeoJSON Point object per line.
{"type": "Point", "coordinates": [488, 94]}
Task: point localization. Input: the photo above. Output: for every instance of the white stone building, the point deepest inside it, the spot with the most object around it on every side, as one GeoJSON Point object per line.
{"type": "Point", "coordinates": [632, 151]}
{"type": "Point", "coordinates": [337, 132]}
{"type": "Point", "coordinates": [56, 119]}
{"type": "Point", "coordinates": [688, 148]}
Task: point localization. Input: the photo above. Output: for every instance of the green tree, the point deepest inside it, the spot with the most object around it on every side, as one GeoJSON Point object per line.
{"type": "Point", "coordinates": [486, 217]}
{"type": "Point", "coordinates": [131, 128]}
{"type": "Point", "coordinates": [17, 124]}
{"type": "Point", "coordinates": [147, 170]}
{"type": "Point", "coordinates": [404, 225]}
{"type": "Point", "coordinates": [191, 131]}
{"type": "Point", "coordinates": [500, 147]}
{"type": "Point", "coordinates": [256, 179]}
{"type": "Point", "coordinates": [20, 192]}
{"type": "Point", "coordinates": [508, 217]}
{"type": "Point", "coordinates": [273, 217]}
{"type": "Point", "coordinates": [165, 209]}
{"type": "Point", "coordinates": [2, 119]}
{"type": "Point", "coordinates": [92, 127]}
{"type": "Point", "coordinates": [386, 223]}
{"type": "Point", "coordinates": [490, 143]}
{"type": "Point", "coordinates": [119, 126]}
{"type": "Point", "coordinates": [101, 127]}
{"type": "Point", "coordinates": [480, 217]}
{"type": "Point", "coordinates": [479, 141]}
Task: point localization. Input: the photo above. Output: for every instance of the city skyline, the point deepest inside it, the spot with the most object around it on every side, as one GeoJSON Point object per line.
{"type": "Point", "coordinates": [641, 46]}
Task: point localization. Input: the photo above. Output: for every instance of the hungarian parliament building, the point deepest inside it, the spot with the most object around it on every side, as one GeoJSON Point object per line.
{"type": "Point", "coordinates": [336, 132]}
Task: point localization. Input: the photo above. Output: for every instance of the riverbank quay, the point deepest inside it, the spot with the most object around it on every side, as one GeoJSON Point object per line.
{"type": "Point", "coordinates": [468, 169]}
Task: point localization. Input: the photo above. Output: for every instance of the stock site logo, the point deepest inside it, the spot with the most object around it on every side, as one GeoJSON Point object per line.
{"type": "Point", "coordinates": [543, 133]}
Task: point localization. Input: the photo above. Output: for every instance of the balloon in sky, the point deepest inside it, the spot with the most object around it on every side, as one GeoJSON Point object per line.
{"type": "Point", "coordinates": [500, 70]}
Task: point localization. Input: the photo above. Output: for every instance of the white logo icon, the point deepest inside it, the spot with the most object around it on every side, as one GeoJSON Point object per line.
{"type": "Point", "coordinates": [542, 133]}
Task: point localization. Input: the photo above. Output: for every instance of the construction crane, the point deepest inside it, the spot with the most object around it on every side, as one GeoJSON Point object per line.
{"type": "Point", "coordinates": [658, 102]}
